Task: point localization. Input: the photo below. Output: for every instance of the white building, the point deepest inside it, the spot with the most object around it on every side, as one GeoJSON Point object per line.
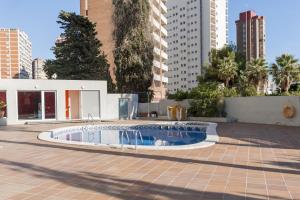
{"type": "Point", "coordinates": [15, 54]}
{"type": "Point", "coordinates": [38, 69]}
{"type": "Point", "coordinates": [62, 100]}
{"type": "Point", "coordinates": [194, 28]}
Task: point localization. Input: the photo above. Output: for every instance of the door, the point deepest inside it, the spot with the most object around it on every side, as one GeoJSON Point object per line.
{"type": "Point", "coordinates": [123, 108]}
{"type": "Point", "coordinates": [72, 104]}
{"type": "Point", "coordinates": [90, 104]}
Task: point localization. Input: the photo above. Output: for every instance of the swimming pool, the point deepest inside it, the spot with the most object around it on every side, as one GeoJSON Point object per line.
{"type": "Point", "coordinates": [158, 136]}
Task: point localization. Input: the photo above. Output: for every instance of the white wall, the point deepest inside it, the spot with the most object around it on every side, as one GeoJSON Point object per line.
{"type": "Point", "coordinates": [262, 110]}
{"type": "Point", "coordinates": [112, 106]}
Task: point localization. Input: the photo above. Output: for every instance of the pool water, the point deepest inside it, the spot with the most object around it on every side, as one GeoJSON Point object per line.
{"type": "Point", "coordinates": [135, 135]}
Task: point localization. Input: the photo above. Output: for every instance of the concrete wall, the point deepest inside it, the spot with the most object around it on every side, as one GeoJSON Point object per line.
{"type": "Point", "coordinates": [161, 107]}
{"type": "Point", "coordinates": [109, 104]}
{"type": "Point", "coordinates": [262, 110]}
{"type": "Point", "coordinates": [112, 106]}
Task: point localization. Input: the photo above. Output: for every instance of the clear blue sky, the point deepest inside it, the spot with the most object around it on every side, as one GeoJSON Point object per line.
{"type": "Point", "coordinates": [38, 19]}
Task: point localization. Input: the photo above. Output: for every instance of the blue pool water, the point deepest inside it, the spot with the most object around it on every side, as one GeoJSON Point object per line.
{"type": "Point", "coordinates": [146, 135]}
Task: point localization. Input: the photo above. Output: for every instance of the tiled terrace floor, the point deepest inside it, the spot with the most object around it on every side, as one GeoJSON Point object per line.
{"type": "Point", "coordinates": [250, 162]}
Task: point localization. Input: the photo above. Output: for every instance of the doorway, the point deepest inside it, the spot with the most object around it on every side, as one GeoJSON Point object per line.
{"type": "Point", "coordinates": [72, 104]}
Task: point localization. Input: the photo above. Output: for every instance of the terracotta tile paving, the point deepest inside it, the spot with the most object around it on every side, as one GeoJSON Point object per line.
{"type": "Point", "coordinates": [250, 162]}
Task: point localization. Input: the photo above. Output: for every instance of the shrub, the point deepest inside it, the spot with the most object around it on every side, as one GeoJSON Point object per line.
{"type": "Point", "coordinates": [230, 92]}
{"type": "Point", "coordinates": [206, 100]}
{"type": "Point", "coordinates": [2, 105]}
{"type": "Point", "coordinates": [179, 95]}
{"type": "Point", "coordinates": [249, 91]}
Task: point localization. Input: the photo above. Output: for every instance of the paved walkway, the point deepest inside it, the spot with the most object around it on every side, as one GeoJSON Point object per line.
{"type": "Point", "coordinates": [250, 162]}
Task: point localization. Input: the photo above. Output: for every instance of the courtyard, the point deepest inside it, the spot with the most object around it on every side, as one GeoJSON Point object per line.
{"type": "Point", "coordinates": [250, 162]}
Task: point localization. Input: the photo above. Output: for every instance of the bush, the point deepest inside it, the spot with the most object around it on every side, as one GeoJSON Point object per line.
{"type": "Point", "coordinates": [295, 87]}
{"type": "Point", "coordinates": [249, 91]}
{"type": "Point", "coordinates": [179, 95]}
{"type": "Point", "coordinates": [206, 100]}
{"type": "Point", "coordinates": [230, 92]}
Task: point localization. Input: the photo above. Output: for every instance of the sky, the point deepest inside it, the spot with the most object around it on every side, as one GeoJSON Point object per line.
{"type": "Point", "coordinates": [38, 19]}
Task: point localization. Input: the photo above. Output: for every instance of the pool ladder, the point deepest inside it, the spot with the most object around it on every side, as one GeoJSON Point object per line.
{"type": "Point", "coordinates": [136, 134]}
{"type": "Point", "coordinates": [89, 124]}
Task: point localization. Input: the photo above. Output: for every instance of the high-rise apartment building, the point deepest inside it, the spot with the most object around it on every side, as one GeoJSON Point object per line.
{"type": "Point", "coordinates": [15, 54]}
{"type": "Point", "coordinates": [194, 28]}
{"type": "Point", "coordinates": [251, 35]}
{"type": "Point", "coordinates": [101, 12]}
{"type": "Point", "coordinates": [38, 69]}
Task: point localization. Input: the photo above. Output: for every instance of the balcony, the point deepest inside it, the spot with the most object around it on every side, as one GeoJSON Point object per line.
{"type": "Point", "coordinates": [160, 53]}
{"type": "Point", "coordinates": [159, 15]}
{"type": "Point", "coordinates": [156, 25]}
{"type": "Point", "coordinates": [160, 40]}
{"type": "Point", "coordinates": [157, 77]}
{"type": "Point", "coordinates": [162, 66]}
{"type": "Point", "coordinates": [162, 5]}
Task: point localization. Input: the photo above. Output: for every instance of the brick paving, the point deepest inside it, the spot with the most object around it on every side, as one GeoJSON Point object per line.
{"type": "Point", "coordinates": [250, 162]}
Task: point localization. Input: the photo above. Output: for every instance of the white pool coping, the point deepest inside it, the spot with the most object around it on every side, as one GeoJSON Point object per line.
{"type": "Point", "coordinates": [211, 137]}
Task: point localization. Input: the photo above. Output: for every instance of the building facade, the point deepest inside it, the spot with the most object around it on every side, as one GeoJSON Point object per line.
{"type": "Point", "coordinates": [38, 69]}
{"type": "Point", "coordinates": [63, 100]}
{"type": "Point", "coordinates": [251, 35]}
{"type": "Point", "coordinates": [194, 28]}
{"type": "Point", "coordinates": [15, 54]}
{"type": "Point", "coordinates": [101, 12]}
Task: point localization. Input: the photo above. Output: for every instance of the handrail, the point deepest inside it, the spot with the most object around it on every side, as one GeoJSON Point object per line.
{"type": "Point", "coordinates": [91, 118]}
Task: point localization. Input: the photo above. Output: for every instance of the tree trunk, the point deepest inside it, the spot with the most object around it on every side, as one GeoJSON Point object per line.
{"type": "Point", "coordinates": [227, 82]}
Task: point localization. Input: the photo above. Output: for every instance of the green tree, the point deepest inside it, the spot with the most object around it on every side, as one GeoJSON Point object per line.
{"type": "Point", "coordinates": [227, 70]}
{"type": "Point", "coordinates": [77, 55]}
{"type": "Point", "coordinates": [285, 71]}
{"type": "Point", "coordinates": [134, 46]}
{"type": "Point", "coordinates": [257, 72]}
{"type": "Point", "coordinates": [217, 57]}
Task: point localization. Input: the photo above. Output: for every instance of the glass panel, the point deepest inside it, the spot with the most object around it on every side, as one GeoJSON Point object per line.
{"type": "Point", "coordinates": [123, 108]}
{"type": "Point", "coordinates": [50, 107]}
{"type": "Point", "coordinates": [29, 105]}
{"type": "Point", "coordinates": [3, 100]}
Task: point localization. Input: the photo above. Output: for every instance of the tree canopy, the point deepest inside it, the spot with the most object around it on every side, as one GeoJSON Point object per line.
{"type": "Point", "coordinates": [77, 54]}
{"type": "Point", "coordinates": [285, 71]}
{"type": "Point", "coordinates": [134, 46]}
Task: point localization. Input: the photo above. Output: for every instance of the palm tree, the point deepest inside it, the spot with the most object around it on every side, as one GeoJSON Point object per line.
{"type": "Point", "coordinates": [257, 72]}
{"type": "Point", "coordinates": [227, 70]}
{"type": "Point", "coordinates": [285, 71]}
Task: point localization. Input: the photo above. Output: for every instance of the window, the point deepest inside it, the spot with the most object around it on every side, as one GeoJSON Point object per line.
{"type": "Point", "coordinates": [3, 99]}
{"type": "Point", "coordinates": [50, 105]}
{"type": "Point", "coordinates": [29, 105]}
{"type": "Point", "coordinates": [36, 105]}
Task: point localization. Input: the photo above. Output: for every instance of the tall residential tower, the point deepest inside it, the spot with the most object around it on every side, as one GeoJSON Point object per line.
{"type": "Point", "coordinates": [15, 54]}
{"type": "Point", "coordinates": [194, 28]}
{"type": "Point", "coordinates": [251, 35]}
{"type": "Point", "coordinates": [101, 12]}
{"type": "Point", "coordinates": [38, 69]}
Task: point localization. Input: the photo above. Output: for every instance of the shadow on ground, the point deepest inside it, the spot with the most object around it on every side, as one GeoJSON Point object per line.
{"type": "Point", "coordinates": [121, 188]}
{"type": "Point", "coordinates": [154, 157]}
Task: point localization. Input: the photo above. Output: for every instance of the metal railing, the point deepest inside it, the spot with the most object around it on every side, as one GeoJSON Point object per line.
{"type": "Point", "coordinates": [136, 134]}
